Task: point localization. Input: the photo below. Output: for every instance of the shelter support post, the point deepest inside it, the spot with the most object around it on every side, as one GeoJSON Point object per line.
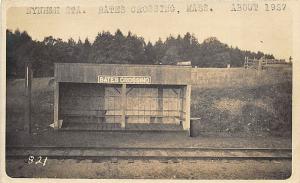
{"type": "Point", "coordinates": [56, 108]}
{"type": "Point", "coordinates": [187, 123]}
{"type": "Point", "coordinates": [179, 104]}
{"type": "Point", "coordinates": [123, 99]}
{"type": "Point", "coordinates": [160, 105]}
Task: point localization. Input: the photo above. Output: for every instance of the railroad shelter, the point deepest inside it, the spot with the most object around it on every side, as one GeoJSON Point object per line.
{"type": "Point", "coordinates": [121, 97]}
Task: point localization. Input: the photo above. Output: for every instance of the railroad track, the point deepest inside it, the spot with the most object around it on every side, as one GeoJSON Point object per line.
{"type": "Point", "coordinates": [188, 153]}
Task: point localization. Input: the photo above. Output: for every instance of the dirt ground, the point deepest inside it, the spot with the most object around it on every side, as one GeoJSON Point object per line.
{"type": "Point", "coordinates": [152, 169]}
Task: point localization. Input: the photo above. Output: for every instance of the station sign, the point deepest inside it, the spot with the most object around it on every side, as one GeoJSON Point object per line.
{"type": "Point", "coordinates": [124, 79]}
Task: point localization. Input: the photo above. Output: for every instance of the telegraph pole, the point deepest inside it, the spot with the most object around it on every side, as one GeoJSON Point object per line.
{"type": "Point", "coordinates": [28, 81]}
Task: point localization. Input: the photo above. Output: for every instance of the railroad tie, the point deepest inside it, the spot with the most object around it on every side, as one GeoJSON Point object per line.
{"type": "Point", "coordinates": [130, 161]}
{"type": "Point", "coordinates": [175, 160]}
{"type": "Point", "coordinates": [164, 161]}
{"type": "Point", "coordinates": [114, 160]}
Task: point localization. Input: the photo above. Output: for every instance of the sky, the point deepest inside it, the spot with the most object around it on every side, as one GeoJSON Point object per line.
{"type": "Point", "coordinates": [268, 32]}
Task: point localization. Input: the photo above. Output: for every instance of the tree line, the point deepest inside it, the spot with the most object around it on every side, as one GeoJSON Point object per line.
{"type": "Point", "coordinates": [117, 48]}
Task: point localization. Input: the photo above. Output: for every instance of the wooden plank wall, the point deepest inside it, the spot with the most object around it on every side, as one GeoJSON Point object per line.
{"type": "Point", "coordinates": [98, 103]}
{"type": "Point", "coordinates": [81, 102]}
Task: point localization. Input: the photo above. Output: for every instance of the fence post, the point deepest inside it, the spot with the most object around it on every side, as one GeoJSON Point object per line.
{"type": "Point", "coordinates": [28, 81]}
{"type": "Point", "coordinates": [260, 64]}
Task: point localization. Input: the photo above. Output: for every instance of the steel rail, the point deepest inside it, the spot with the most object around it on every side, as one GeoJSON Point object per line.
{"type": "Point", "coordinates": [149, 148]}
{"type": "Point", "coordinates": [184, 158]}
{"type": "Point", "coordinates": [165, 153]}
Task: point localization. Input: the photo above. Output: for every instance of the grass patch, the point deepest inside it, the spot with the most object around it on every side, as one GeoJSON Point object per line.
{"type": "Point", "coordinates": [265, 108]}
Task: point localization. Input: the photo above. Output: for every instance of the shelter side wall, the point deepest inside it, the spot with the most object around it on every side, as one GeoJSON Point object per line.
{"type": "Point", "coordinates": [81, 102]}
